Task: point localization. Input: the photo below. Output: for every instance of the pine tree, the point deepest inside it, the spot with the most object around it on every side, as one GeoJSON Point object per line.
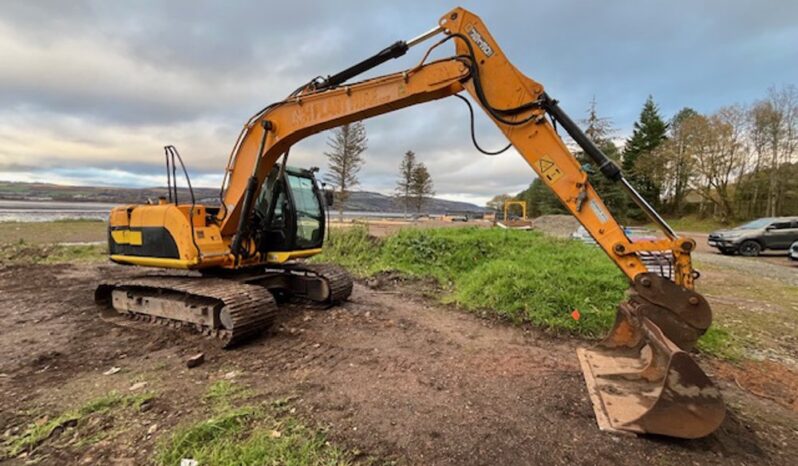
{"type": "Point", "coordinates": [405, 183]}
{"type": "Point", "coordinates": [599, 130]}
{"type": "Point", "coordinates": [421, 186]}
{"type": "Point", "coordinates": [540, 200]}
{"type": "Point", "coordinates": [347, 144]}
{"type": "Point", "coordinates": [649, 132]}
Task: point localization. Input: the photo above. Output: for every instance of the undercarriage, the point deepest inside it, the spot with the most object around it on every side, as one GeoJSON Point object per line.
{"type": "Point", "coordinates": [231, 307]}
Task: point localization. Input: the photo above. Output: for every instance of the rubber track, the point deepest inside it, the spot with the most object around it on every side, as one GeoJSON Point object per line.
{"type": "Point", "coordinates": [251, 307]}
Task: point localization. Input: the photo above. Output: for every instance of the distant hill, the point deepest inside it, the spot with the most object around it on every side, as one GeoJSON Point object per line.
{"type": "Point", "coordinates": [366, 201]}
{"type": "Point", "coordinates": [57, 192]}
{"type": "Point", "coordinates": [362, 201]}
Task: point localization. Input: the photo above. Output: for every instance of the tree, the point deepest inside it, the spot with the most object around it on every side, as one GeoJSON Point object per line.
{"type": "Point", "coordinates": [421, 186]}
{"type": "Point", "coordinates": [540, 200]}
{"type": "Point", "coordinates": [671, 163]}
{"type": "Point", "coordinates": [404, 185]}
{"type": "Point", "coordinates": [344, 160]}
{"type": "Point", "coordinates": [599, 130]}
{"type": "Point", "coordinates": [496, 203]}
{"type": "Point", "coordinates": [649, 132]}
{"type": "Point", "coordinates": [719, 157]}
{"type": "Point", "coordinates": [755, 181]}
{"type": "Point", "coordinates": [781, 131]}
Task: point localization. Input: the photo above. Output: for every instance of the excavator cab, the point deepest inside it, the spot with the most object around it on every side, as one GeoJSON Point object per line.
{"type": "Point", "coordinates": [289, 213]}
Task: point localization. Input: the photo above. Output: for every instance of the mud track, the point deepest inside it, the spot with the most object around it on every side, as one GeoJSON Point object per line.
{"type": "Point", "coordinates": [393, 374]}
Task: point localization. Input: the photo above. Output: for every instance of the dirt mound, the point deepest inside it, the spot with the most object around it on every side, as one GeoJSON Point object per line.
{"type": "Point", "coordinates": [560, 226]}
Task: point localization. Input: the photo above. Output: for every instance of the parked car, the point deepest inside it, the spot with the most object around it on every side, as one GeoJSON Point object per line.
{"type": "Point", "coordinates": [794, 251]}
{"type": "Point", "coordinates": [750, 239]}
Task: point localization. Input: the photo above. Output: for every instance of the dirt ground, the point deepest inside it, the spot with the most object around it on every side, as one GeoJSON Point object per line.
{"type": "Point", "coordinates": [392, 374]}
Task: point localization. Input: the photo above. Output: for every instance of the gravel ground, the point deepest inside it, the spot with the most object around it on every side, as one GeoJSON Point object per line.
{"type": "Point", "coordinates": [755, 266]}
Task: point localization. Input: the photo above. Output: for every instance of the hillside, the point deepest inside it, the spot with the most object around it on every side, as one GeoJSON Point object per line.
{"type": "Point", "coordinates": [361, 201]}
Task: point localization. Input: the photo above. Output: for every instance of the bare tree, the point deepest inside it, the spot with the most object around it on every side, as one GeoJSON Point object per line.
{"type": "Point", "coordinates": [421, 186]}
{"type": "Point", "coordinates": [347, 144]}
{"type": "Point", "coordinates": [497, 202]}
{"type": "Point", "coordinates": [719, 157]}
{"type": "Point", "coordinates": [404, 185]}
{"type": "Point", "coordinates": [781, 129]}
{"type": "Point", "coordinates": [760, 116]}
{"type": "Point", "coordinates": [672, 162]}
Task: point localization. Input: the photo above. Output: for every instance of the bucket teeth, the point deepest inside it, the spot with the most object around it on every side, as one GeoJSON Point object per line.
{"type": "Point", "coordinates": [641, 378]}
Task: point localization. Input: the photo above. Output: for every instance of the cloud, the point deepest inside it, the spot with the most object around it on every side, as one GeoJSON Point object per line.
{"type": "Point", "coordinates": [91, 90]}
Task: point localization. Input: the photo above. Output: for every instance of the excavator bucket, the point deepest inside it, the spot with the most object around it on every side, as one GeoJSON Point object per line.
{"type": "Point", "coordinates": [641, 378]}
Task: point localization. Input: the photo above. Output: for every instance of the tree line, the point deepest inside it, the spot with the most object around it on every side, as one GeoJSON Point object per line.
{"type": "Point", "coordinates": [346, 145]}
{"type": "Point", "coordinates": [737, 163]}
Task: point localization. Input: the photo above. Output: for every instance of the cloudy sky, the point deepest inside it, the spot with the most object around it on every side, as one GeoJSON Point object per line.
{"type": "Point", "coordinates": [90, 91]}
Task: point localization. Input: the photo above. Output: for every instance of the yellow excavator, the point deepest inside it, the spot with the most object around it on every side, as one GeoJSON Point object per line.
{"type": "Point", "coordinates": [248, 250]}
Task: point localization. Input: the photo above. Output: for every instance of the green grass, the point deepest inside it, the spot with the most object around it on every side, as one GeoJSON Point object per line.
{"type": "Point", "coordinates": [60, 231]}
{"type": "Point", "coordinates": [694, 223]}
{"type": "Point", "coordinates": [248, 435]}
{"type": "Point", "coordinates": [520, 275]}
{"type": "Point", "coordinates": [38, 432]}
{"type": "Point", "coordinates": [753, 319]}
{"type": "Point", "coordinates": [722, 344]}
{"type": "Point", "coordinates": [222, 393]}
{"type": "Point", "coordinates": [23, 252]}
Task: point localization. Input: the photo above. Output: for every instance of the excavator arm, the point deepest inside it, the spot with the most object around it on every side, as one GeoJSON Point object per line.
{"type": "Point", "coordinates": [640, 377]}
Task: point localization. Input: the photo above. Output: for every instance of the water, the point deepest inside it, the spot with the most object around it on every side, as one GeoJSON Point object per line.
{"type": "Point", "coordinates": [47, 211]}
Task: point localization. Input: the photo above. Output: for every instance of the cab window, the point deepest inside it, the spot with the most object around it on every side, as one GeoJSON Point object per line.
{"type": "Point", "coordinates": [309, 217]}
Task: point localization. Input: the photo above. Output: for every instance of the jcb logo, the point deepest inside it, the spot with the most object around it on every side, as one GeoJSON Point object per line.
{"type": "Point", "coordinates": [480, 41]}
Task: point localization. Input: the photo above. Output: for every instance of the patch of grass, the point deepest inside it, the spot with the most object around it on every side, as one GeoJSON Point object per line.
{"type": "Point", "coordinates": [23, 252]}
{"type": "Point", "coordinates": [249, 435]}
{"type": "Point", "coordinates": [757, 314]}
{"type": "Point", "coordinates": [521, 275]}
{"type": "Point", "coordinates": [222, 393]}
{"type": "Point", "coordinates": [694, 223]}
{"type": "Point", "coordinates": [38, 432]}
{"type": "Point", "coordinates": [352, 248]}
{"type": "Point", "coordinates": [60, 231]}
{"type": "Point", "coordinates": [720, 343]}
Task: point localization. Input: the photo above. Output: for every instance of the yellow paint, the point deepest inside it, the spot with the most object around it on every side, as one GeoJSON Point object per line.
{"type": "Point", "coordinates": [548, 169]}
{"type": "Point", "coordinates": [285, 256]}
{"type": "Point", "coordinates": [154, 261]}
{"type": "Point", "coordinates": [127, 237]}
{"type": "Point", "coordinates": [510, 202]}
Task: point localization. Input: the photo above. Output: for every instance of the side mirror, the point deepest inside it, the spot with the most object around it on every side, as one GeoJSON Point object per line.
{"type": "Point", "coordinates": [770, 227]}
{"type": "Point", "coordinates": [329, 197]}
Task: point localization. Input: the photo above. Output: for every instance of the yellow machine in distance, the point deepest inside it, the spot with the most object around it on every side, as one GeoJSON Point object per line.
{"type": "Point", "coordinates": [640, 378]}
{"type": "Point", "coordinates": [509, 203]}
